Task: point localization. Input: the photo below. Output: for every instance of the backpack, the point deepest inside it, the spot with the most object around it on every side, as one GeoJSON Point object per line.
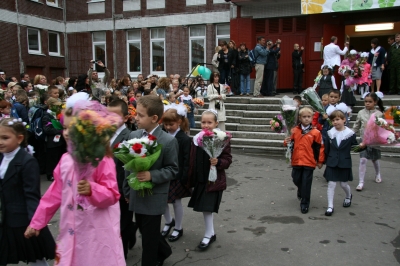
{"type": "Point", "coordinates": [35, 115]}
{"type": "Point", "coordinates": [252, 57]}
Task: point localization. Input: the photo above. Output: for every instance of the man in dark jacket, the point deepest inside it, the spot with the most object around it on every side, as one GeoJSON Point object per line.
{"type": "Point", "coordinates": [297, 65]}
{"type": "Point", "coordinates": [267, 87]}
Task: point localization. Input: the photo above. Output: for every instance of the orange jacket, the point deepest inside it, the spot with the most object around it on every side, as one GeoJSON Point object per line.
{"type": "Point", "coordinates": [308, 149]}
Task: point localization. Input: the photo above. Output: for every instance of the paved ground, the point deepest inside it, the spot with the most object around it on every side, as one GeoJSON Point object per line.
{"type": "Point", "coordinates": [260, 222]}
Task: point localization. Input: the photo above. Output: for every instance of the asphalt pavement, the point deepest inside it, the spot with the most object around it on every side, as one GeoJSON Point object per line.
{"type": "Point", "coordinates": [260, 223]}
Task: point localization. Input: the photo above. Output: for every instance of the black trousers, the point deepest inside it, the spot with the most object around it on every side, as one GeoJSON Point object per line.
{"type": "Point", "coordinates": [155, 247]}
{"type": "Point", "coordinates": [302, 177]}
{"type": "Point", "coordinates": [267, 87]}
{"type": "Point", "coordinates": [297, 79]}
{"type": "Point", "coordinates": [126, 224]}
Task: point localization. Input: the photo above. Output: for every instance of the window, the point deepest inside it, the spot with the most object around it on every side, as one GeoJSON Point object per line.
{"type": "Point", "coordinates": [52, 3]}
{"type": "Point", "coordinates": [196, 2]}
{"type": "Point", "coordinates": [223, 33]}
{"type": "Point", "coordinates": [129, 5]}
{"type": "Point", "coordinates": [154, 4]}
{"type": "Point", "coordinates": [99, 49]}
{"type": "Point", "coordinates": [34, 45]}
{"type": "Point", "coordinates": [197, 40]}
{"type": "Point", "coordinates": [96, 6]}
{"type": "Point", "coordinates": [54, 43]}
{"type": "Point", "coordinates": [134, 51]}
{"type": "Point", "coordinates": [157, 43]}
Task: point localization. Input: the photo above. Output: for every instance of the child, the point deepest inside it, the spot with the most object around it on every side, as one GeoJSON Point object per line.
{"type": "Point", "coordinates": [20, 196]}
{"type": "Point", "coordinates": [327, 82]}
{"type": "Point", "coordinates": [348, 86]}
{"type": "Point", "coordinates": [90, 236]}
{"type": "Point", "coordinates": [325, 102]}
{"type": "Point", "coordinates": [365, 80]}
{"type": "Point", "coordinates": [338, 159]}
{"type": "Point", "coordinates": [5, 109]}
{"type": "Point", "coordinates": [187, 99]}
{"type": "Point", "coordinates": [206, 196]}
{"type": "Point", "coordinates": [297, 100]}
{"type": "Point", "coordinates": [370, 101]}
{"type": "Point", "coordinates": [148, 209]}
{"type": "Point", "coordinates": [53, 92]}
{"type": "Point", "coordinates": [308, 152]}
{"type": "Point", "coordinates": [55, 143]}
{"type": "Point", "coordinates": [127, 226]}
{"type": "Point", "coordinates": [171, 98]}
{"type": "Point", "coordinates": [130, 93]}
{"type": "Point", "coordinates": [177, 125]}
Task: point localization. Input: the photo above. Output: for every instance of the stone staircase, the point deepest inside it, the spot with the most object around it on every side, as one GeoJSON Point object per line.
{"type": "Point", "coordinates": [248, 121]}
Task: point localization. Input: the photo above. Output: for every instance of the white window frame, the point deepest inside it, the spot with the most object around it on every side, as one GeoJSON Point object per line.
{"type": "Point", "coordinates": [100, 74]}
{"type": "Point", "coordinates": [58, 44]}
{"type": "Point", "coordinates": [133, 73]}
{"type": "Point", "coordinates": [191, 38]}
{"type": "Point", "coordinates": [217, 37]}
{"type": "Point", "coordinates": [159, 73]}
{"type": "Point", "coordinates": [39, 42]}
{"type": "Point", "coordinates": [52, 4]}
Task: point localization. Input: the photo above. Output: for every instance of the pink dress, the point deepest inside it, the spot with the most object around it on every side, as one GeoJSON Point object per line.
{"type": "Point", "coordinates": [87, 237]}
{"type": "Point", "coordinates": [366, 75]}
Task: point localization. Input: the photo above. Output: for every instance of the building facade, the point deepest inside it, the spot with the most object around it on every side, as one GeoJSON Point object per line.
{"type": "Point", "coordinates": [60, 37]}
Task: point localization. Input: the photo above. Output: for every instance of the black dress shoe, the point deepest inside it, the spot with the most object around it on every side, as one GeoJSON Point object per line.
{"type": "Point", "coordinates": [170, 225]}
{"type": "Point", "coordinates": [160, 263]}
{"type": "Point", "coordinates": [172, 238]}
{"type": "Point", "coordinates": [329, 211]}
{"type": "Point", "coordinates": [202, 246]}
{"type": "Point", "coordinates": [347, 204]}
{"type": "Point", "coordinates": [304, 210]}
{"type": "Point", "coordinates": [132, 235]}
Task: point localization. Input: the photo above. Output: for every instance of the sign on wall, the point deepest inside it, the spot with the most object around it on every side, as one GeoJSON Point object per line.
{"type": "Point", "coordinates": [328, 6]}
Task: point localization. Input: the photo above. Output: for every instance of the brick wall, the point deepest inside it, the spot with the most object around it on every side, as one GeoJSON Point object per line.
{"type": "Point", "coordinates": [8, 5]}
{"type": "Point", "coordinates": [78, 10]}
{"type": "Point", "coordinates": [40, 9]}
{"type": "Point", "coordinates": [80, 53]}
{"type": "Point", "coordinates": [9, 60]}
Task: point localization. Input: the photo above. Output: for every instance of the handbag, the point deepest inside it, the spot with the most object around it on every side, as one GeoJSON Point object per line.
{"type": "Point", "coordinates": [217, 105]}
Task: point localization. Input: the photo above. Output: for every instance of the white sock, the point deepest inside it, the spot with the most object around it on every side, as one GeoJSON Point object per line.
{"type": "Point", "coordinates": [362, 169]}
{"type": "Point", "coordinates": [362, 90]}
{"type": "Point", "coordinates": [366, 88]}
{"type": "Point", "coordinates": [178, 210]}
{"type": "Point", "coordinates": [167, 217]}
{"type": "Point", "coordinates": [377, 167]}
{"type": "Point", "coordinates": [209, 224]}
{"type": "Point", "coordinates": [42, 262]}
{"type": "Point", "coordinates": [331, 193]}
{"type": "Point", "coordinates": [346, 188]}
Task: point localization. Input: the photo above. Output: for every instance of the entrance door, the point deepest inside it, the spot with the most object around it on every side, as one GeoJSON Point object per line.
{"type": "Point", "coordinates": [337, 30]}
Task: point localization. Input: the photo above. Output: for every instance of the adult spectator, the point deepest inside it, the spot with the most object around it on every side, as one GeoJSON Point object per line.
{"type": "Point", "coordinates": [125, 84]}
{"type": "Point", "coordinates": [40, 80]}
{"type": "Point", "coordinates": [214, 60]}
{"type": "Point", "coordinates": [94, 81]}
{"type": "Point", "coordinates": [394, 65]}
{"type": "Point", "coordinates": [278, 56]}
{"type": "Point", "coordinates": [83, 84]}
{"type": "Point", "coordinates": [244, 70]}
{"type": "Point", "coordinates": [139, 78]}
{"type": "Point", "coordinates": [226, 62]}
{"type": "Point", "coordinates": [24, 77]}
{"type": "Point", "coordinates": [297, 65]}
{"type": "Point", "coordinates": [376, 59]}
{"type": "Point", "coordinates": [386, 73]}
{"type": "Point", "coordinates": [216, 96]}
{"type": "Point", "coordinates": [3, 80]}
{"type": "Point", "coordinates": [260, 53]}
{"type": "Point", "coordinates": [267, 86]}
{"type": "Point", "coordinates": [332, 53]}
{"type": "Point", "coordinates": [234, 71]}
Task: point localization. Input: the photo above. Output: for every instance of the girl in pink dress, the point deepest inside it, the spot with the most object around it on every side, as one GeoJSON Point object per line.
{"type": "Point", "coordinates": [90, 236]}
{"type": "Point", "coordinates": [365, 80]}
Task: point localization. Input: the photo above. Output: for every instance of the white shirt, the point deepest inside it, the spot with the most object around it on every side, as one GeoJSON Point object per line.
{"type": "Point", "coordinates": [151, 132]}
{"type": "Point", "coordinates": [119, 130]}
{"type": "Point", "coordinates": [174, 133]}
{"type": "Point", "coordinates": [332, 54]}
{"type": "Point", "coordinates": [7, 158]}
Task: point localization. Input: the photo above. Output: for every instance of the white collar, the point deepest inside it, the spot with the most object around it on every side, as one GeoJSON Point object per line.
{"type": "Point", "coordinates": [119, 130]}
{"type": "Point", "coordinates": [304, 127]}
{"type": "Point", "coordinates": [151, 132]}
{"type": "Point", "coordinates": [174, 133]}
{"type": "Point", "coordinates": [11, 155]}
{"type": "Point", "coordinates": [183, 97]}
{"type": "Point", "coordinates": [346, 133]}
{"type": "Point", "coordinates": [375, 50]}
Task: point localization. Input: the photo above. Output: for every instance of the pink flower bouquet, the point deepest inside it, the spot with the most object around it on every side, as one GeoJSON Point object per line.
{"type": "Point", "coordinates": [277, 124]}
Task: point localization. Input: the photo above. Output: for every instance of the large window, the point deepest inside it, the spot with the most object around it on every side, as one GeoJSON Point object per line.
{"type": "Point", "coordinates": [134, 51]}
{"type": "Point", "coordinates": [157, 43]}
{"type": "Point", "coordinates": [99, 49]}
{"type": "Point", "coordinates": [34, 45]}
{"type": "Point", "coordinates": [197, 40]}
{"type": "Point", "coordinates": [52, 3]}
{"type": "Point", "coordinates": [223, 33]}
{"type": "Point", "coordinates": [54, 43]}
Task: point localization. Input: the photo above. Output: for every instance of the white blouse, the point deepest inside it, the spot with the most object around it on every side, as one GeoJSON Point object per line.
{"type": "Point", "coordinates": [7, 158]}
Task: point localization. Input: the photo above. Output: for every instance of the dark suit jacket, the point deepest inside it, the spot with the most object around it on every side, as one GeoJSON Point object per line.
{"type": "Point", "coordinates": [339, 156]}
{"type": "Point", "coordinates": [20, 190]}
{"type": "Point", "coordinates": [163, 170]}
{"type": "Point", "coordinates": [184, 144]}
{"type": "Point", "coordinates": [124, 135]}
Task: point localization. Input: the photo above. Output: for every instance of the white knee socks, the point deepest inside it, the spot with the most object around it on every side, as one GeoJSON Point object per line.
{"type": "Point", "coordinates": [42, 262]}
{"type": "Point", "coordinates": [377, 168]}
{"type": "Point", "coordinates": [178, 211]}
{"type": "Point", "coordinates": [209, 224]}
{"type": "Point", "coordinates": [346, 188]}
{"type": "Point", "coordinates": [331, 192]}
{"type": "Point", "coordinates": [167, 217]}
{"type": "Point", "coordinates": [362, 169]}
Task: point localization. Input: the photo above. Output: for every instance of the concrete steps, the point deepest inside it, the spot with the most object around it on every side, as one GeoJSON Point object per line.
{"type": "Point", "coordinates": [248, 121]}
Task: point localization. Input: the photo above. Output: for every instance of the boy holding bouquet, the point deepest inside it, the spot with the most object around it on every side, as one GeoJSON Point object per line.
{"type": "Point", "coordinates": [148, 208]}
{"type": "Point", "coordinates": [308, 152]}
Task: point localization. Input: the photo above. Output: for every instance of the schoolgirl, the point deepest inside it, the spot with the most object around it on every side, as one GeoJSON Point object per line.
{"type": "Point", "coordinates": [327, 81]}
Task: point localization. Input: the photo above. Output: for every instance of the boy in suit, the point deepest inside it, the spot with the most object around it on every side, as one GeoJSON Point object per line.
{"type": "Point", "coordinates": [149, 208]}
{"type": "Point", "coordinates": [128, 227]}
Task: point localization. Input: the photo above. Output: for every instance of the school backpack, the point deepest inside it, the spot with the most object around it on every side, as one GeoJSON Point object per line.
{"type": "Point", "coordinates": [35, 115]}
{"type": "Point", "coordinates": [252, 57]}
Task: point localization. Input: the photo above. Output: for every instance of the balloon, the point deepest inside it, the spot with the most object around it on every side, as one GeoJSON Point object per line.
{"type": "Point", "coordinates": [195, 71]}
{"type": "Point", "coordinates": [201, 70]}
{"type": "Point", "coordinates": [207, 73]}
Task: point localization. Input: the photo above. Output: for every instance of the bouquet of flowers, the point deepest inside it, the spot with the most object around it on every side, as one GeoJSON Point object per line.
{"type": "Point", "coordinates": [213, 143]}
{"type": "Point", "coordinates": [277, 124]}
{"type": "Point", "coordinates": [138, 155]}
{"type": "Point", "coordinates": [41, 89]}
{"type": "Point", "coordinates": [312, 97]}
{"type": "Point", "coordinates": [317, 79]}
{"type": "Point", "coordinates": [396, 114]}
{"type": "Point", "coordinates": [90, 131]}
{"type": "Point", "coordinates": [289, 112]}
{"type": "Point", "coordinates": [198, 102]}
{"type": "Point", "coordinates": [378, 132]}
{"type": "Point", "coordinates": [343, 68]}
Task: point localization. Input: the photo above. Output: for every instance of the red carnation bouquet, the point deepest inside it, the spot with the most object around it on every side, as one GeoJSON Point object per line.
{"type": "Point", "coordinates": [138, 155]}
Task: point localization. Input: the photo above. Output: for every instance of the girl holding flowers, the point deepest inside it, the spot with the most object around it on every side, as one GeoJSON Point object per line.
{"type": "Point", "coordinates": [206, 196]}
{"type": "Point", "coordinates": [370, 102]}
{"type": "Point", "coordinates": [89, 223]}
{"type": "Point", "coordinates": [176, 124]}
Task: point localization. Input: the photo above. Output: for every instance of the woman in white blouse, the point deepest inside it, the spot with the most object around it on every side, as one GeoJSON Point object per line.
{"type": "Point", "coordinates": [217, 95]}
